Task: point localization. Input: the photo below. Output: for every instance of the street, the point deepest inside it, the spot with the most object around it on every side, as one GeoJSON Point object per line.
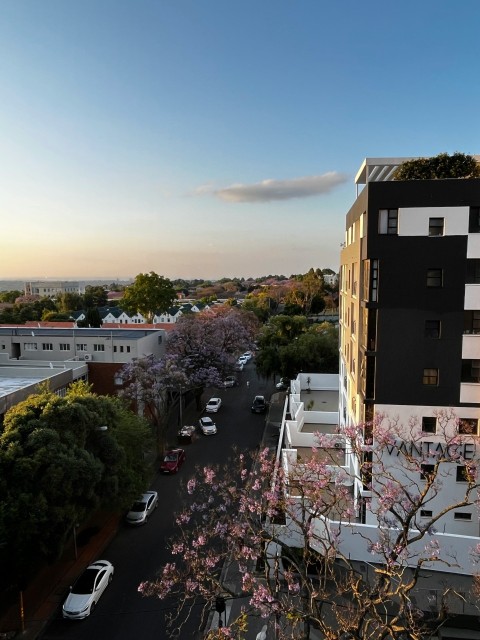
{"type": "Point", "coordinates": [138, 553]}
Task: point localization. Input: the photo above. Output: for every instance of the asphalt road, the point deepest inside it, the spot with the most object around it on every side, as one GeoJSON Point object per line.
{"type": "Point", "coordinates": [137, 553]}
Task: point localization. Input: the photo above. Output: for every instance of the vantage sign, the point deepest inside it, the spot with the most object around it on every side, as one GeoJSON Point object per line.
{"type": "Point", "coordinates": [427, 449]}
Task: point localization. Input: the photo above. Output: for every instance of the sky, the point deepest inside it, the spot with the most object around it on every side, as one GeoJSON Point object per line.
{"type": "Point", "coordinates": [215, 138]}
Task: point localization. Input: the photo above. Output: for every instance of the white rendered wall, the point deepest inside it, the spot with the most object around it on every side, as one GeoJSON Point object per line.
{"type": "Point", "coordinates": [414, 221]}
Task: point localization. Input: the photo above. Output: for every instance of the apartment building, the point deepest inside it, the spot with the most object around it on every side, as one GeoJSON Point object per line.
{"type": "Point", "coordinates": [52, 288]}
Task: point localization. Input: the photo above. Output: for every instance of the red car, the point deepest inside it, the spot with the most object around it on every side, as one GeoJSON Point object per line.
{"type": "Point", "coordinates": [172, 461]}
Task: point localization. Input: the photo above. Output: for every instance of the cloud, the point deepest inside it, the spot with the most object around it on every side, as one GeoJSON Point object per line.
{"type": "Point", "coordinates": [269, 190]}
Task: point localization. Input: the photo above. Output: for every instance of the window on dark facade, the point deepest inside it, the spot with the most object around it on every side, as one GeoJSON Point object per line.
{"type": "Point", "coordinates": [436, 226]}
{"type": "Point", "coordinates": [374, 272]}
{"type": "Point", "coordinates": [470, 371]}
{"type": "Point", "coordinates": [388, 221]}
{"type": "Point", "coordinates": [432, 329]}
{"type": "Point", "coordinates": [434, 277]}
{"type": "Point", "coordinates": [430, 377]}
{"type": "Point", "coordinates": [468, 426]}
{"type": "Point", "coordinates": [429, 424]}
{"type": "Point", "coordinates": [474, 220]}
{"type": "Point", "coordinates": [473, 271]}
{"type": "Point", "coordinates": [471, 322]}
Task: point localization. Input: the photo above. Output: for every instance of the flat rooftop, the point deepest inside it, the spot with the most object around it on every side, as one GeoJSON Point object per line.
{"type": "Point", "coordinates": [323, 400]}
{"type": "Point", "coordinates": [128, 334]}
{"type": "Point", "coordinates": [10, 385]}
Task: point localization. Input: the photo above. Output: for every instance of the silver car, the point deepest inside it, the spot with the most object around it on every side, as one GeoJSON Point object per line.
{"type": "Point", "coordinates": [87, 590]}
{"type": "Point", "coordinates": [142, 508]}
{"type": "Point", "coordinates": [207, 426]}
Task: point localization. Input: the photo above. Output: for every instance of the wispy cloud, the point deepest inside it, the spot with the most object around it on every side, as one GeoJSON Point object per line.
{"type": "Point", "coordinates": [269, 190]}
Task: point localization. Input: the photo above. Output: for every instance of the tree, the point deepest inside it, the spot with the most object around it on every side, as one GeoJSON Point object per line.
{"type": "Point", "coordinates": [94, 297]}
{"type": "Point", "coordinates": [307, 289]}
{"type": "Point", "coordinates": [286, 528]}
{"type": "Point", "coordinates": [201, 350]}
{"type": "Point", "coordinates": [148, 295]}
{"type": "Point", "coordinates": [10, 296]}
{"type": "Point", "coordinates": [58, 464]}
{"type": "Point", "coordinates": [68, 302]}
{"type": "Point", "coordinates": [440, 167]}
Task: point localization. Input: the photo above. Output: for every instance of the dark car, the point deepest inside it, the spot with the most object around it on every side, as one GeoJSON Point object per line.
{"type": "Point", "coordinates": [259, 404]}
{"type": "Point", "coordinates": [283, 385]}
{"type": "Point", "coordinates": [172, 461]}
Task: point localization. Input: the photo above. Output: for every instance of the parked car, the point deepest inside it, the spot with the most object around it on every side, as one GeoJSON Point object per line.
{"type": "Point", "coordinates": [230, 381]}
{"type": "Point", "coordinates": [172, 461]}
{"type": "Point", "coordinates": [248, 355]}
{"type": "Point", "coordinates": [143, 508]}
{"type": "Point", "coordinates": [207, 426]}
{"type": "Point", "coordinates": [259, 404]}
{"type": "Point", "coordinates": [87, 590]}
{"type": "Point", "coordinates": [243, 360]}
{"type": "Point", "coordinates": [213, 405]}
{"type": "Point", "coordinates": [284, 384]}
{"type": "Point", "coordinates": [186, 434]}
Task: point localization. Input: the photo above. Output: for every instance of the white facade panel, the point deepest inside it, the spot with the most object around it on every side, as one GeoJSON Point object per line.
{"type": "Point", "coordinates": [472, 297]}
{"type": "Point", "coordinates": [470, 392]}
{"type": "Point", "coordinates": [473, 245]}
{"type": "Point", "coordinates": [414, 221]}
{"type": "Point", "coordinates": [471, 347]}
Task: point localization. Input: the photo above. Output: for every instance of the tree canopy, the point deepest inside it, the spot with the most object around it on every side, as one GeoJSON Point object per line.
{"type": "Point", "coordinates": [442, 166]}
{"type": "Point", "coordinates": [149, 294]}
{"type": "Point", "coordinates": [58, 463]}
{"type": "Point", "coordinates": [283, 527]}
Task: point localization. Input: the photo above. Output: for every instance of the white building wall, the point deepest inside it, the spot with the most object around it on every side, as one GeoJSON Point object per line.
{"type": "Point", "coordinates": [414, 221]}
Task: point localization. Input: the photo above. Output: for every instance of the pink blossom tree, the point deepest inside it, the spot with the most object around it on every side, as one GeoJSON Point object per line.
{"type": "Point", "coordinates": [200, 351]}
{"type": "Point", "coordinates": [283, 526]}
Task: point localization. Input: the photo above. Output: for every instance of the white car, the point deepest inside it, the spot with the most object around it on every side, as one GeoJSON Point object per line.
{"type": "Point", "coordinates": [243, 360]}
{"type": "Point", "coordinates": [207, 426]}
{"type": "Point", "coordinates": [87, 590]}
{"type": "Point", "coordinates": [213, 405]}
{"type": "Point", "coordinates": [248, 355]}
{"type": "Point", "coordinates": [142, 508]}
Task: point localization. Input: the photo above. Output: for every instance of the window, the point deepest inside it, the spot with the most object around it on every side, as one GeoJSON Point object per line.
{"type": "Point", "coordinates": [436, 226]}
{"type": "Point", "coordinates": [128, 349]}
{"type": "Point", "coordinates": [461, 515]}
{"type": "Point", "coordinates": [426, 471]}
{"type": "Point", "coordinates": [81, 347]}
{"type": "Point", "coordinates": [47, 346]}
{"type": "Point", "coordinates": [30, 346]}
{"type": "Point", "coordinates": [115, 349]}
{"type": "Point", "coordinates": [468, 426]}
{"type": "Point", "coordinates": [470, 371]}
{"type": "Point", "coordinates": [473, 271]}
{"type": "Point", "coordinates": [474, 220]}
{"type": "Point", "coordinates": [430, 377]}
{"type": "Point", "coordinates": [64, 346]}
{"type": "Point", "coordinates": [434, 277]}
{"type": "Point", "coordinates": [121, 348]}
{"type": "Point", "coordinates": [429, 424]}
{"type": "Point", "coordinates": [388, 221]}
{"type": "Point", "coordinates": [99, 347]}
{"type": "Point", "coordinates": [471, 322]}
{"type": "Point", "coordinates": [375, 268]}
{"type": "Point", "coordinates": [432, 329]}
{"type": "Point", "coordinates": [426, 513]}
{"type": "Point", "coordinates": [462, 474]}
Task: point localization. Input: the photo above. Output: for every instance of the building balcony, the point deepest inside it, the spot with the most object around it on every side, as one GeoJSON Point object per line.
{"type": "Point", "coordinates": [471, 346]}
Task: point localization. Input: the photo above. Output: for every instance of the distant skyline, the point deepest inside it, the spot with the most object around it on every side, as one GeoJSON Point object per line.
{"type": "Point", "coordinates": [216, 138]}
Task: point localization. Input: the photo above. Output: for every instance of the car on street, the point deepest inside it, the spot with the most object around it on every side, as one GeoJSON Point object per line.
{"type": "Point", "coordinates": [259, 404]}
{"type": "Point", "coordinates": [172, 461]}
{"type": "Point", "coordinates": [243, 360]}
{"type": "Point", "coordinates": [283, 385]}
{"type": "Point", "coordinates": [142, 508]}
{"type": "Point", "coordinates": [248, 355]}
{"type": "Point", "coordinates": [207, 425]}
{"type": "Point", "coordinates": [213, 405]}
{"type": "Point", "coordinates": [230, 381]}
{"type": "Point", "coordinates": [87, 590]}
{"type": "Point", "coordinates": [186, 434]}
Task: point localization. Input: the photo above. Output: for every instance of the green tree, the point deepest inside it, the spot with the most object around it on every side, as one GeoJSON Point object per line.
{"type": "Point", "coordinates": [442, 166]}
{"type": "Point", "coordinates": [10, 296]}
{"type": "Point", "coordinates": [149, 294]}
{"type": "Point", "coordinates": [68, 302]}
{"type": "Point", "coordinates": [58, 464]}
{"type": "Point", "coordinates": [94, 297]}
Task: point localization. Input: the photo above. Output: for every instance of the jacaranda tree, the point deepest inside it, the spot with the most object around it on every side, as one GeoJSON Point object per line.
{"type": "Point", "coordinates": [286, 526]}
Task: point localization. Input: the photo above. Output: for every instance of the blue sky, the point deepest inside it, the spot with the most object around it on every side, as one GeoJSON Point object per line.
{"type": "Point", "coordinates": [211, 138]}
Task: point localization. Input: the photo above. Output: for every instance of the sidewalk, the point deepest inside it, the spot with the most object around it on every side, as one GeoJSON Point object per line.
{"type": "Point", "coordinates": [49, 587]}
